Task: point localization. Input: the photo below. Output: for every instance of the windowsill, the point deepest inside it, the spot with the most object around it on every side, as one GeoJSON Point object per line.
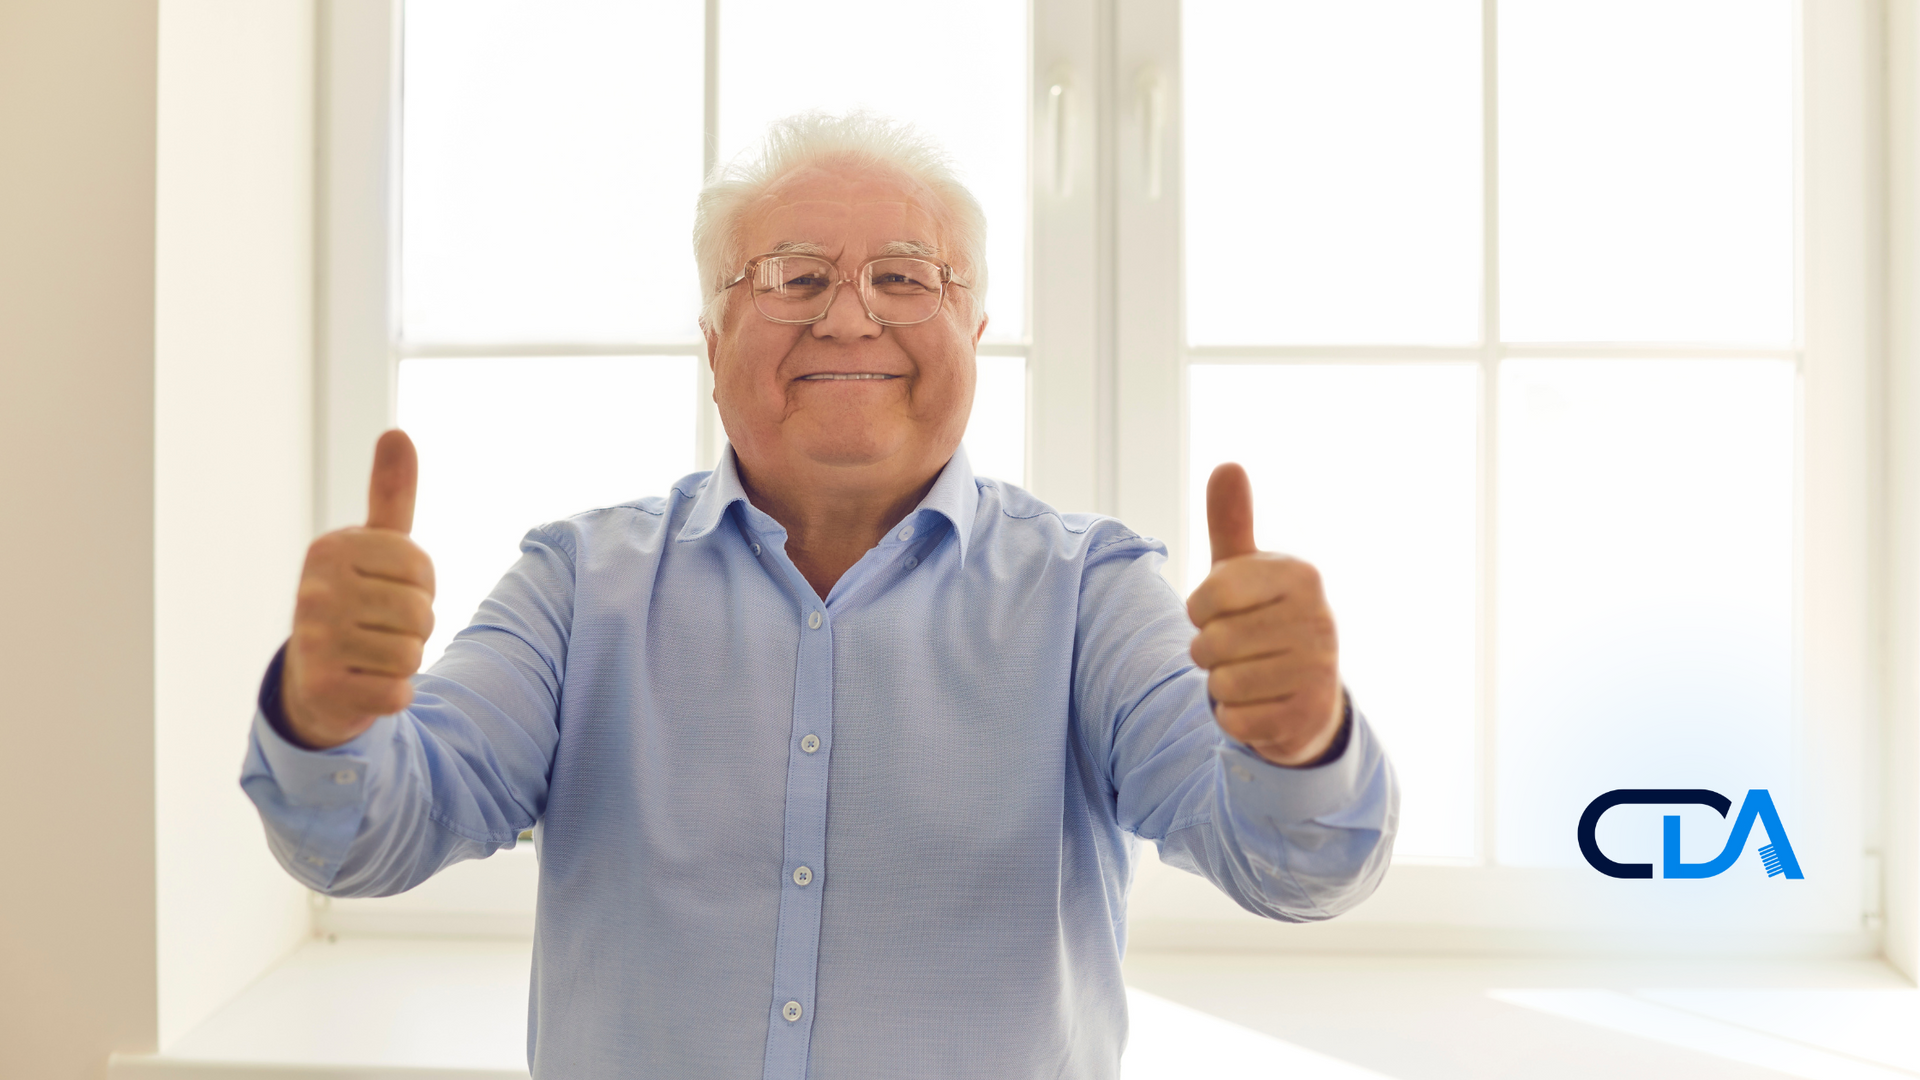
{"type": "Point", "coordinates": [448, 1009]}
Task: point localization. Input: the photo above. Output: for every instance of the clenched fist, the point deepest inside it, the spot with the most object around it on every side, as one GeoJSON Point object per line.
{"type": "Point", "coordinates": [1266, 636]}
{"type": "Point", "coordinates": [364, 612]}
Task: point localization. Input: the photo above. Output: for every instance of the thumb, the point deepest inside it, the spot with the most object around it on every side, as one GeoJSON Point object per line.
{"type": "Point", "coordinates": [396, 472]}
{"type": "Point", "coordinates": [1230, 512]}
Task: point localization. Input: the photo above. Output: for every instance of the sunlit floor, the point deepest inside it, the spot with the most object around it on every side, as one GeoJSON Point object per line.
{"type": "Point", "coordinates": [361, 1009]}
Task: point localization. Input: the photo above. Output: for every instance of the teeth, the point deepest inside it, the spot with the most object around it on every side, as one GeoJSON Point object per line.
{"type": "Point", "coordinates": [829, 375]}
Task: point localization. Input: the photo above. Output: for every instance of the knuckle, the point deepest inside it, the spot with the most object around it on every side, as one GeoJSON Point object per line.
{"type": "Point", "coordinates": [421, 613]}
{"type": "Point", "coordinates": [1219, 686]}
{"type": "Point", "coordinates": [314, 597]}
{"type": "Point", "coordinates": [1231, 720]}
{"type": "Point", "coordinates": [399, 695]}
{"type": "Point", "coordinates": [1308, 573]}
{"type": "Point", "coordinates": [1228, 683]}
{"type": "Point", "coordinates": [310, 641]}
{"type": "Point", "coordinates": [420, 565]}
{"type": "Point", "coordinates": [324, 548]}
{"type": "Point", "coordinates": [1206, 647]}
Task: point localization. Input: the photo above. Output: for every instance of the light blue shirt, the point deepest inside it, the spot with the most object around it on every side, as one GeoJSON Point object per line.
{"type": "Point", "coordinates": [888, 834]}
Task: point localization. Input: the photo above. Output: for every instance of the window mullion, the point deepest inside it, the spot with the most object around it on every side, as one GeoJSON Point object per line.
{"type": "Point", "coordinates": [1063, 367]}
{"type": "Point", "coordinates": [355, 368]}
{"type": "Point", "coordinates": [1487, 546]}
{"type": "Point", "coordinates": [1150, 388]}
{"type": "Point", "coordinates": [708, 436]}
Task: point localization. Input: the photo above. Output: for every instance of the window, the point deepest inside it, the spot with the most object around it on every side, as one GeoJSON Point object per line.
{"type": "Point", "coordinates": [1506, 305]}
{"type": "Point", "coordinates": [1507, 342]}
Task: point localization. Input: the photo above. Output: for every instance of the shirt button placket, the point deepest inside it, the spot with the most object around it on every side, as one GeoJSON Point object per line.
{"type": "Point", "coordinates": [797, 944]}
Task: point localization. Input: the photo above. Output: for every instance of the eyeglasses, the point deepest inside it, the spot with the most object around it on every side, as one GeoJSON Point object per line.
{"type": "Point", "coordinates": [896, 291]}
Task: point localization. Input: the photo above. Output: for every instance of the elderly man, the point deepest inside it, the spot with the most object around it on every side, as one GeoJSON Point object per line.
{"type": "Point", "coordinates": [837, 754]}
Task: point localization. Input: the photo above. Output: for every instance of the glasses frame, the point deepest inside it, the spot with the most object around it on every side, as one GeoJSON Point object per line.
{"type": "Point", "coordinates": [833, 290]}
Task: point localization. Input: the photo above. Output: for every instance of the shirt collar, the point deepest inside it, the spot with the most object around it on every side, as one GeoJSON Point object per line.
{"type": "Point", "coordinates": [954, 496]}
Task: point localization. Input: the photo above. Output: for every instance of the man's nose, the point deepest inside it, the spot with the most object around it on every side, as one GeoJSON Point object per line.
{"type": "Point", "coordinates": [846, 316]}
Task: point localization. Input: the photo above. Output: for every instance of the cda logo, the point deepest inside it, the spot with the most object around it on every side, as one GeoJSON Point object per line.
{"type": "Point", "coordinates": [1776, 856]}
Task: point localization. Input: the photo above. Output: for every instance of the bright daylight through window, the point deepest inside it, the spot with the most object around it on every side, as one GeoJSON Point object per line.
{"type": "Point", "coordinates": [1534, 331]}
{"type": "Point", "coordinates": [1544, 400]}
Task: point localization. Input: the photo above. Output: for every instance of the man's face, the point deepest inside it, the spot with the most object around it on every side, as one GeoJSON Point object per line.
{"type": "Point", "coordinates": [783, 410]}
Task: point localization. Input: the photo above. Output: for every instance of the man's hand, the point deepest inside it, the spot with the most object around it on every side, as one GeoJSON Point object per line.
{"type": "Point", "coordinates": [1266, 636]}
{"type": "Point", "coordinates": [364, 612]}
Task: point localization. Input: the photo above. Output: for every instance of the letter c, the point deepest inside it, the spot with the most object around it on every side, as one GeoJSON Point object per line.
{"type": "Point", "coordinates": [1590, 820]}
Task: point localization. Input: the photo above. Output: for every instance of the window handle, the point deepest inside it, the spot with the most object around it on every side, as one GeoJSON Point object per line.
{"type": "Point", "coordinates": [1152, 94]}
{"type": "Point", "coordinates": [1059, 106]}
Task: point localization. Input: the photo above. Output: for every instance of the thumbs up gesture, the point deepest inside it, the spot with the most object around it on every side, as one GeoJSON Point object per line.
{"type": "Point", "coordinates": [363, 613]}
{"type": "Point", "coordinates": [1266, 636]}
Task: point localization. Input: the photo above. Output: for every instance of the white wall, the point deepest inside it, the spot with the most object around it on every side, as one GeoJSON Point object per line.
{"type": "Point", "coordinates": [232, 469]}
{"type": "Point", "coordinates": [156, 236]}
{"type": "Point", "coordinates": [76, 534]}
{"type": "Point", "coordinates": [1900, 829]}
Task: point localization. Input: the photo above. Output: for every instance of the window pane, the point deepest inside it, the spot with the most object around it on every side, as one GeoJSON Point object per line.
{"type": "Point", "coordinates": [1332, 171]}
{"type": "Point", "coordinates": [1646, 170]}
{"type": "Point", "coordinates": [1368, 473]}
{"type": "Point", "coordinates": [997, 431]}
{"type": "Point", "coordinates": [507, 444]}
{"type": "Point", "coordinates": [551, 157]}
{"type": "Point", "coordinates": [960, 74]}
{"type": "Point", "coordinates": [1646, 573]}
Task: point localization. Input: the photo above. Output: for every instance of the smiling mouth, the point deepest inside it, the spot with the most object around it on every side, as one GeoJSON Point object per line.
{"type": "Point", "coordinates": [844, 376]}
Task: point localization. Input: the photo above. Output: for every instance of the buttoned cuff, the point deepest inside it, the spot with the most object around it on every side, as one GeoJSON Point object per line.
{"type": "Point", "coordinates": [312, 801]}
{"type": "Point", "coordinates": [321, 779]}
{"type": "Point", "coordinates": [1260, 792]}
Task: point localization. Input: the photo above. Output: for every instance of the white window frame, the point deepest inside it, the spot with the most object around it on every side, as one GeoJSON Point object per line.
{"type": "Point", "coordinates": [1837, 487]}
{"type": "Point", "coordinates": [1106, 364]}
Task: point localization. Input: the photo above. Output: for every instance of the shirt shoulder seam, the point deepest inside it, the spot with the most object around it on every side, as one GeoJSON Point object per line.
{"type": "Point", "coordinates": [1105, 544]}
{"type": "Point", "coordinates": [1048, 512]}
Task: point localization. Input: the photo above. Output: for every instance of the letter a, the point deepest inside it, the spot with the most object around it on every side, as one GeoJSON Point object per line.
{"type": "Point", "coordinates": [1777, 855]}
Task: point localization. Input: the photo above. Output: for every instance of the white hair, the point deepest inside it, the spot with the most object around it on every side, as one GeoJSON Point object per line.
{"type": "Point", "coordinates": [857, 138]}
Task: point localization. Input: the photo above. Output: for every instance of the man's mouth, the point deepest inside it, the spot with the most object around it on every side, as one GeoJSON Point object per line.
{"type": "Point", "coordinates": [844, 376]}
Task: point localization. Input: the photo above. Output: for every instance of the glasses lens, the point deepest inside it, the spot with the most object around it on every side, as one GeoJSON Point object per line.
{"type": "Point", "coordinates": [903, 290]}
{"type": "Point", "coordinates": [790, 287]}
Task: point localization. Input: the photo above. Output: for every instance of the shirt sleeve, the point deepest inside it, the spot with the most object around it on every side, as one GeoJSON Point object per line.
{"type": "Point", "coordinates": [1295, 844]}
{"type": "Point", "coordinates": [457, 775]}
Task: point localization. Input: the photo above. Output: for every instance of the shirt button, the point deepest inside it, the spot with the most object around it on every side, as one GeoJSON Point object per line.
{"type": "Point", "coordinates": [810, 743]}
{"type": "Point", "coordinates": [802, 877]}
{"type": "Point", "coordinates": [791, 1010]}
{"type": "Point", "coordinates": [316, 860]}
{"type": "Point", "coordinates": [906, 533]}
{"type": "Point", "coordinates": [912, 562]}
{"type": "Point", "coordinates": [813, 621]}
{"type": "Point", "coordinates": [345, 776]}
{"type": "Point", "coordinates": [756, 549]}
{"type": "Point", "coordinates": [1241, 774]}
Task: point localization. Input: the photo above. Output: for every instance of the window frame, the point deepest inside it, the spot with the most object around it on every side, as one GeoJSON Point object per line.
{"type": "Point", "coordinates": [1106, 368]}
{"type": "Point", "coordinates": [1836, 485]}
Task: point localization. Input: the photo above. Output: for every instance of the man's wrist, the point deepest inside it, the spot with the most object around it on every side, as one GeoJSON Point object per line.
{"type": "Point", "coordinates": [273, 703]}
{"type": "Point", "coordinates": [1342, 735]}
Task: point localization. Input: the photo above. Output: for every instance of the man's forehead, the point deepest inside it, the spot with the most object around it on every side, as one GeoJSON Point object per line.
{"type": "Point", "coordinates": [841, 221]}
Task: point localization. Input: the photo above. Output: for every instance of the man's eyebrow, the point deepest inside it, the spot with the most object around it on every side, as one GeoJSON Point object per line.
{"type": "Point", "coordinates": [801, 247]}
{"type": "Point", "coordinates": [908, 247]}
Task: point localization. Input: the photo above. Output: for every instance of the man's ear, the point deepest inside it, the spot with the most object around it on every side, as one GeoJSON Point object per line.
{"type": "Point", "coordinates": [980, 330]}
{"type": "Point", "coordinates": [713, 346]}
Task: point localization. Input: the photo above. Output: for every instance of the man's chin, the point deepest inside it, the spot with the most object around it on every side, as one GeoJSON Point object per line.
{"type": "Point", "coordinates": [849, 456]}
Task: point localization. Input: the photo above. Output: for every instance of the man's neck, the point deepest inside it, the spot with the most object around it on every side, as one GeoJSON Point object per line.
{"type": "Point", "coordinates": [831, 523]}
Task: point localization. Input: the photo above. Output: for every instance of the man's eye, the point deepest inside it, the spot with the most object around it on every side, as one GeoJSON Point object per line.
{"type": "Point", "coordinates": [894, 282]}
{"type": "Point", "coordinates": [804, 281]}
